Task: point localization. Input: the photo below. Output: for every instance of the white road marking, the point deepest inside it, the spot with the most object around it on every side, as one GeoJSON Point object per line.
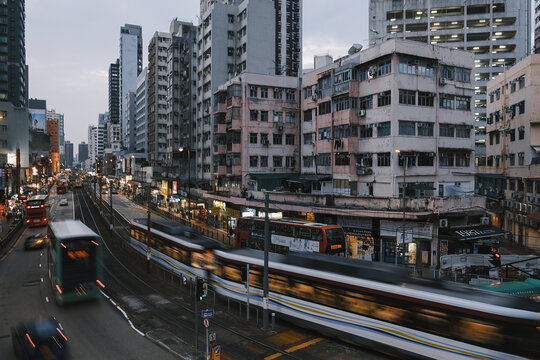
{"type": "Point", "coordinates": [40, 254]}
{"type": "Point", "coordinates": [39, 265]}
{"type": "Point", "coordinates": [124, 313]}
{"type": "Point", "coordinates": [41, 279]}
{"type": "Point", "coordinates": [47, 298]}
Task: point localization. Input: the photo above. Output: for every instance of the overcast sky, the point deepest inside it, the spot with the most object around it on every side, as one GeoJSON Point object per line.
{"type": "Point", "coordinates": [70, 44]}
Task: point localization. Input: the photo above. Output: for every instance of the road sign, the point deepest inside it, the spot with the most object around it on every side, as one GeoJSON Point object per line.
{"type": "Point", "coordinates": [207, 314]}
{"type": "Point", "coordinates": [216, 352]}
{"type": "Point", "coordinates": [212, 337]}
{"type": "Point", "coordinates": [206, 323]}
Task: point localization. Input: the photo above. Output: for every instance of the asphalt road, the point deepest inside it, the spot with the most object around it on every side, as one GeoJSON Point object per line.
{"type": "Point", "coordinates": [95, 330]}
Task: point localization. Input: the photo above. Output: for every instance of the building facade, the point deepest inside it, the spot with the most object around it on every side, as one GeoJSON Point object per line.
{"type": "Point", "coordinates": [141, 113]}
{"type": "Point", "coordinates": [69, 154]}
{"type": "Point", "coordinates": [82, 154]}
{"type": "Point", "coordinates": [257, 119]}
{"type": "Point", "coordinates": [13, 69]}
{"type": "Point", "coordinates": [261, 37]}
{"type": "Point", "coordinates": [130, 116]}
{"type": "Point", "coordinates": [114, 92]}
{"type": "Point", "coordinates": [157, 98]}
{"type": "Point", "coordinates": [510, 177]}
{"type": "Point", "coordinates": [466, 25]}
{"type": "Point", "coordinates": [130, 66]}
{"type": "Point", "coordinates": [537, 26]}
{"type": "Point", "coordinates": [181, 123]}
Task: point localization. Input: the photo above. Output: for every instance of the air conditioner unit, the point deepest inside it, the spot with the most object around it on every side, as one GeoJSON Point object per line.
{"type": "Point", "coordinates": [249, 195]}
{"type": "Point", "coordinates": [443, 81]}
{"type": "Point", "coordinates": [484, 220]}
{"type": "Point", "coordinates": [362, 113]}
{"type": "Point", "coordinates": [443, 223]}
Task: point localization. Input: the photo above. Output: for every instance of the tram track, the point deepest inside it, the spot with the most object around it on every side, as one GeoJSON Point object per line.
{"type": "Point", "coordinates": [186, 326]}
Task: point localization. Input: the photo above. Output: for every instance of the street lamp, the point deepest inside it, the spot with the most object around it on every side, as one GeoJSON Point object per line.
{"type": "Point", "coordinates": [398, 151]}
{"type": "Point", "coordinates": [189, 180]}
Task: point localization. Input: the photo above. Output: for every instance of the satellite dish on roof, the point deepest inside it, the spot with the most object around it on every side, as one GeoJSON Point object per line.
{"type": "Point", "coordinates": [355, 48]}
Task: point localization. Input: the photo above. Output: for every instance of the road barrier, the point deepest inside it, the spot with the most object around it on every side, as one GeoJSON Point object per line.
{"type": "Point", "coordinates": [12, 233]}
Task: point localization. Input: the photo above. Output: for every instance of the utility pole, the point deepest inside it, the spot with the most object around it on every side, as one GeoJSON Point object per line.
{"type": "Point", "coordinates": [148, 231]}
{"type": "Point", "coordinates": [18, 170]}
{"type": "Point", "coordinates": [266, 245]}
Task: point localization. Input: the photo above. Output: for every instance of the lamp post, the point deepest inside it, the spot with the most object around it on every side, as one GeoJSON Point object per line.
{"type": "Point", "coordinates": [189, 180]}
{"type": "Point", "coordinates": [403, 204]}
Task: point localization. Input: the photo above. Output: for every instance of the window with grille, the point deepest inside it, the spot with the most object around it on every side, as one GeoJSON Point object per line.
{"type": "Point", "coordinates": [446, 130]}
{"type": "Point", "coordinates": [425, 98]}
{"type": "Point", "coordinates": [384, 98]}
{"type": "Point", "coordinates": [383, 129]}
{"type": "Point", "coordinates": [407, 97]}
{"type": "Point", "coordinates": [407, 127]}
{"type": "Point", "coordinates": [425, 129]}
{"type": "Point", "coordinates": [383, 159]}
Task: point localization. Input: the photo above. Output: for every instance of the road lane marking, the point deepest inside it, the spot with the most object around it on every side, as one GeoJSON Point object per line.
{"type": "Point", "coordinates": [295, 348]}
{"type": "Point", "coordinates": [41, 279]}
{"type": "Point", "coordinates": [46, 298]}
{"type": "Point", "coordinates": [124, 313]}
{"type": "Point", "coordinates": [39, 265]}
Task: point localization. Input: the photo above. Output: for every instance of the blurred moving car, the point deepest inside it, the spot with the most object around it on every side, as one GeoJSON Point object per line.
{"type": "Point", "coordinates": [63, 202]}
{"type": "Point", "coordinates": [36, 241]}
{"type": "Point", "coordinates": [41, 338]}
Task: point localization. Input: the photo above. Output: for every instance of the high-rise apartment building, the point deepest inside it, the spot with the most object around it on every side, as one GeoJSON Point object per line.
{"type": "Point", "coordinates": [69, 154]}
{"type": "Point", "coordinates": [157, 97]}
{"type": "Point", "coordinates": [497, 32]}
{"type": "Point", "coordinates": [13, 69]}
{"type": "Point", "coordinates": [141, 113]}
{"type": "Point", "coordinates": [53, 115]}
{"type": "Point", "coordinates": [130, 116]}
{"type": "Point", "coordinates": [180, 102]}
{"type": "Point", "coordinates": [114, 92]}
{"type": "Point", "coordinates": [537, 26]}
{"type": "Point", "coordinates": [510, 178]}
{"type": "Point", "coordinates": [254, 36]}
{"type": "Point", "coordinates": [130, 66]}
{"type": "Point", "coordinates": [82, 154]}
{"type": "Point", "coordinates": [52, 129]}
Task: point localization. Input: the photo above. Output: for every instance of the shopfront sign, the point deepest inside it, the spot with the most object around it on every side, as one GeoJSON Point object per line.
{"type": "Point", "coordinates": [175, 187]}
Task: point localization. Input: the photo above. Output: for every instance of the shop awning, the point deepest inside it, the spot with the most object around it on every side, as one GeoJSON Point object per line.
{"type": "Point", "coordinates": [272, 181]}
{"type": "Point", "coordinates": [536, 149]}
{"type": "Point", "coordinates": [471, 233]}
{"type": "Point", "coordinates": [308, 179]}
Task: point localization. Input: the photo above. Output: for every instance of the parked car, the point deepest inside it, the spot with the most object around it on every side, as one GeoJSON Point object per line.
{"type": "Point", "coordinates": [63, 202]}
{"type": "Point", "coordinates": [41, 338]}
{"type": "Point", "coordinates": [36, 241]}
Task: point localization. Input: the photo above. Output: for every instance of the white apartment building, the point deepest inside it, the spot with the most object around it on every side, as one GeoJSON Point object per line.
{"type": "Point", "coordinates": [141, 113]}
{"type": "Point", "coordinates": [235, 36]}
{"type": "Point", "coordinates": [498, 33]}
{"type": "Point", "coordinates": [157, 97]}
{"type": "Point", "coordinates": [511, 176]}
{"type": "Point", "coordinates": [365, 113]}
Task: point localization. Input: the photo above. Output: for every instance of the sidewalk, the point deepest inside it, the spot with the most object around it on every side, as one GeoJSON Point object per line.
{"type": "Point", "coordinates": [197, 226]}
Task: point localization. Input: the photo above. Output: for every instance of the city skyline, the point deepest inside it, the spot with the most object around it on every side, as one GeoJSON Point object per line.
{"type": "Point", "coordinates": [69, 68]}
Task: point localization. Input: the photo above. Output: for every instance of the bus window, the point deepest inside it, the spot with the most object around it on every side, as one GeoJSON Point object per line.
{"type": "Point", "coordinates": [305, 232]}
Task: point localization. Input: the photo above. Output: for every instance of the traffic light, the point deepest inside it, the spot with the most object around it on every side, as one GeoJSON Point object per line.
{"type": "Point", "coordinates": [495, 259]}
{"type": "Point", "coordinates": [202, 289]}
{"type": "Point", "coordinates": [205, 289]}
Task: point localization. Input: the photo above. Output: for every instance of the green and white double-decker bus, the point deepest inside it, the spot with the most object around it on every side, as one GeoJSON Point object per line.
{"type": "Point", "coordinates": [75, 260]}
